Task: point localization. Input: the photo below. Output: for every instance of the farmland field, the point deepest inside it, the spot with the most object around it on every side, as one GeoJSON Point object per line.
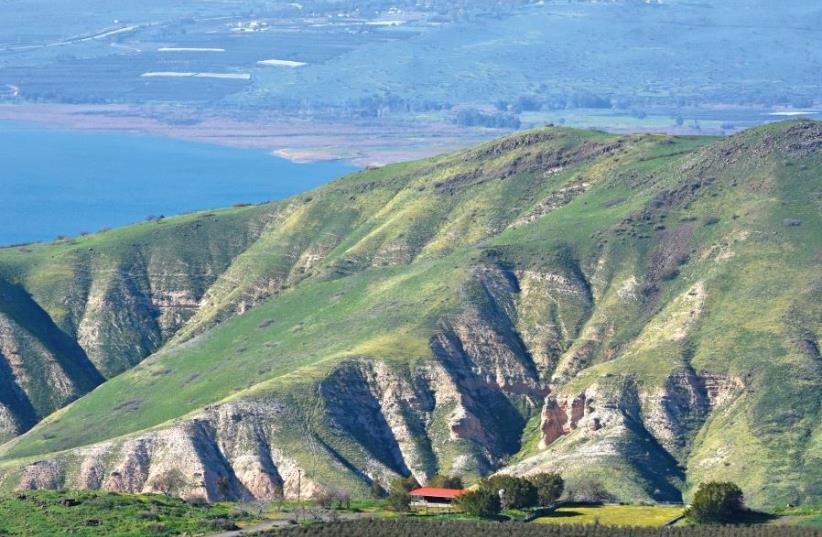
{"type": "Point", "coordinates": [396, 65]}
{"type": "Point", "coordinates": [613, 515]}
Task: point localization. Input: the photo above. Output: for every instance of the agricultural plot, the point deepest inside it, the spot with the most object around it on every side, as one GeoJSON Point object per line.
{"type": "Point", "coordinates": [441, 528]}
{"type": "Point", "coordinates": [613, 515]}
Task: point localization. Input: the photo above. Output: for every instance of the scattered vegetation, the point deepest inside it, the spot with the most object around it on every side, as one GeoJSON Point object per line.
{"type": "Point", "coordinates": [102, 514]}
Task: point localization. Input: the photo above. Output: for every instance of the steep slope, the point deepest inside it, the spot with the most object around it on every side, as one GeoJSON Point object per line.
{"type": "Point", "coordinates": [642, 311]}
{"type": "Point", "coordinates": [41, 369]}
{"type": "Point", "coordinates": [74, 314]}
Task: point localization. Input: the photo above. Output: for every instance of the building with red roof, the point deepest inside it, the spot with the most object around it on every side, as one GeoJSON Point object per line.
{"type": "Point", "coordinates": [434, 495]}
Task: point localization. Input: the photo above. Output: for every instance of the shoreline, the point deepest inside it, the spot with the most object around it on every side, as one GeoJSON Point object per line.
{"type": "Point", "coordinates": [303, 141]}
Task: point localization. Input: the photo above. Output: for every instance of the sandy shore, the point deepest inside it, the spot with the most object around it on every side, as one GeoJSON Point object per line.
{"type": "Point", "coordinates": [300, 140]}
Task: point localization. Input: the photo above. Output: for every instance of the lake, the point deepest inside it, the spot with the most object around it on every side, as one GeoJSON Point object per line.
{"type": "Point", "coordinates": [60, 182]}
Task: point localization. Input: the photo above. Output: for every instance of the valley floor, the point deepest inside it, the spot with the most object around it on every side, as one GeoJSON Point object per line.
{"type": "Point", "coordinates": [100, 514]}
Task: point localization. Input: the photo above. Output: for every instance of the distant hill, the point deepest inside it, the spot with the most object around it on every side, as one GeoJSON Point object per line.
{"type": "Point", "coordinates": [640, 313]}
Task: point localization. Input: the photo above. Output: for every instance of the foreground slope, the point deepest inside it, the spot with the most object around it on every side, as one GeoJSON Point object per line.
{"type": "Point", "coordinates": [642, 311]}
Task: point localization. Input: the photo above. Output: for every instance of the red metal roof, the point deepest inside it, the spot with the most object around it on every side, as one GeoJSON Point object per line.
{"type": "Point", "coordinates": [436, 492]}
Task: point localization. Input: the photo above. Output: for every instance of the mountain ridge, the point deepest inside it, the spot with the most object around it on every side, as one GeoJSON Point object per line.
{"type": "Point", "coordinates": [558, 299]}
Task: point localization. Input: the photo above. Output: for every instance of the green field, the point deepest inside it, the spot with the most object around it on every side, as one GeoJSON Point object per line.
{"type": "Point", "coordinates": [807, 516]}
{"type": "Point", "coordinates": [613, 515]}
{"type": "Point", "coordinates": [107, 514]}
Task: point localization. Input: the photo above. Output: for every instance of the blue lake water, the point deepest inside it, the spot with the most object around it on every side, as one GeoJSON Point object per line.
{"type": "Point", "coordinates": [59, 182]}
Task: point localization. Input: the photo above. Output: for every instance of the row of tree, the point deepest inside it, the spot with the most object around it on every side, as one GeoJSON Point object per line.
{"type": "Point", "coordinates": [714, 502]}
{"type": "Point", "coordinates": [494, 494]}
{"type": "Point", "coordinates": [503, 492]}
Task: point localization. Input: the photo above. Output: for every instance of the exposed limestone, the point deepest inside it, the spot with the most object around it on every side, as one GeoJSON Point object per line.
{"type": "Point", "coordinates": [629, 290]}
{"type": "Point", "coordinates": [43, 475]}
{"type": "Point", "coordinates": [561, 197]}
{"type": "Point", "coordinates": [675, 321]}
{"type": "Point", "coordinates": [676, 409]}
{"type": "Point", "coordinates": [549, 309]}
{"type": "Point", "coordinates": [38, 374]}
{"type": "Point", "coordinates": [224, 453]}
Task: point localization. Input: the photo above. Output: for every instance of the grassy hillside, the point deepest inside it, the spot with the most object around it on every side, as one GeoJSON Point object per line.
{"type": "Point", "coordinates": [76, 312]}
{"type": "Point", "coordinates": [638, 312]}
{"type": "Point", "coordinates": [49, 513]}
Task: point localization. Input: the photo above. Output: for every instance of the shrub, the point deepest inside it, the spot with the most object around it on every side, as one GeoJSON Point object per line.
{"type": "Point", "coordinates": [223, 524]}
{"type": "Point", "coordinates": [169, 483]}
{"type": "Point", "coordinates": [549, 487]}
{"type": "Point", "coordinates": [145, 515]}
{"type": "Point", "coordinates": [398, 498]}
{"type": "Point", "coordinates": [717, 502]}
{"type": "Point", "coordinates": [517, 492]}
{"type": "Point", "coordinates": [482, 502]}
{"type": "Point", "coordinates": [446, 482]}
{"type": "Point", "coordinates": [406, 483]}
{"type": "Point", "coordinates": [592, 491]}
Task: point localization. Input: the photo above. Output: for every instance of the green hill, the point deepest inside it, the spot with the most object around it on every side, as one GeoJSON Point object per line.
{"type": "Point", "coordinates": [640, 313]}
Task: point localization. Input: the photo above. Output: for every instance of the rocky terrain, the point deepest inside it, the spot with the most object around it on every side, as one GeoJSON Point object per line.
{"type": "Point", "coordinates": [640, 313]}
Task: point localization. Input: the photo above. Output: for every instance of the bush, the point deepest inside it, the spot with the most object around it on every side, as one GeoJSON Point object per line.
{"type": "Point", "coordinates": [482, 502]}
{"type": "Point", "coordinates": [223, 524]}
{"type": "Point", "coordinates": [717, 502]}
{"type": "Point", "coordinates": [549, 487]}
{"type": "Point", "coordinates": [398, 498]}
{"type": "Point", "coordinates": [592, 491]}
{"type": "Point", "coordinates": [518, 493]}
{"type": "Point", "coordinates": [445, 482]}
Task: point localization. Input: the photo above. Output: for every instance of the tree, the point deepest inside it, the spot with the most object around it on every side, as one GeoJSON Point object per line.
{"type": "Point", "coordinates": [549, 487]}
{"type": "Point", "coordinates": [517, 492]}
{"type": "Point", "coordinates": [406, 483]}
{"type": "Point", "coordinates": [224, 486]}
{"type": "Point", "coordinates": [445, 482]}
{"type": "Point", "coordinates": [482, 502]}
{"type": "Point", "coordinates": [398, 498]}
{"type": "Point", "coordinates": [333, 498]}
{"type": "Point", "coordinates": [717, 502]}
{"type": "Point", "coordinates": [170, 483]}
{"type": "Point", "coordinates": [592, 491]}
